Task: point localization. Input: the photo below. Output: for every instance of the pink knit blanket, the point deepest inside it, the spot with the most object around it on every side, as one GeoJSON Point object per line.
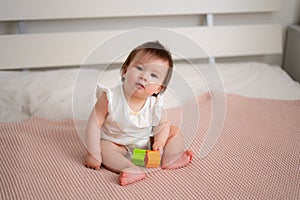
{"type": "Point", "coordinates": [257, 155]}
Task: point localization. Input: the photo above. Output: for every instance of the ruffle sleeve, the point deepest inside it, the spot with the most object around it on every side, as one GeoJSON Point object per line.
{"type": "Point", "coordinates": [102, 88]}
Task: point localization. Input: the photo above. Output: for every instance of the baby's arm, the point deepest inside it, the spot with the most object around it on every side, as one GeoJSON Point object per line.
{"type": "Point", "coordinates": [92, 135]}
{"type": "Point", "coordinates": [161, 133]}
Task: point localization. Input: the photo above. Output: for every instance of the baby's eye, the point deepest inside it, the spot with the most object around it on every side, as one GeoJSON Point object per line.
{"type": "Point", "coordinates": [139, 68]}
{"type": "Point", "coordinates": [154, 75]}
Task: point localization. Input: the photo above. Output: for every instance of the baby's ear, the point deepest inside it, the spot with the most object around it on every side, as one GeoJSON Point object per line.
{"type": "Point", "coordinates": [159, 90]}
{"type": "Point", "coordinates": [124, 69]}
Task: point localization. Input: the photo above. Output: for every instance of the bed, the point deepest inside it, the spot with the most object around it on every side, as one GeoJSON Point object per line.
{"type": "Point", "coordinates": [241, 118]}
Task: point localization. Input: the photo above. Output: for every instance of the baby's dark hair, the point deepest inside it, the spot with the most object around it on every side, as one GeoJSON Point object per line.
{"type": "Point", "coordinates": [157, 50]}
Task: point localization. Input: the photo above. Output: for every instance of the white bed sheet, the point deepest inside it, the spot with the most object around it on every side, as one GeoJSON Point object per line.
{"type": "Point", "coordinates": [49, 94]}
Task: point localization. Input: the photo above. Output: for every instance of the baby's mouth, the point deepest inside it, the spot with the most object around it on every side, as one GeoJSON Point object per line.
{"type": "Point", "coordinates": [139, 85]}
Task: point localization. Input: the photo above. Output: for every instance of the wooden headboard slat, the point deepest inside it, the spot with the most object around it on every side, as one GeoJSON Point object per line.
{"type": "Point", "coordinates": [15, 10]}
{"type": "Point", "coordinates": [71, 49]}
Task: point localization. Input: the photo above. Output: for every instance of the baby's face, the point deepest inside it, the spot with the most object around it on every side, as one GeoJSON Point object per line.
{"type": "Point", "coordinates": [145, 75]}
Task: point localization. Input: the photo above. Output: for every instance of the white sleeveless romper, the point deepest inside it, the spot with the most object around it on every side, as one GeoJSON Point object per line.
{"type": "Point", "coordinates": [126, 127]}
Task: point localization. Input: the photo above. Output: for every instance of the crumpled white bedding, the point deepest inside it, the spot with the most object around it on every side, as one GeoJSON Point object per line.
{"type": "Point", "coordinates": [50, 94]}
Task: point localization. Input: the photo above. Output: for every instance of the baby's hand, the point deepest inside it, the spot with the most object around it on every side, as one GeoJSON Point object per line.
{"type": "Point", "coordinates": [158, 145]}
{"type": "Point", "coordinates": [92, 162]}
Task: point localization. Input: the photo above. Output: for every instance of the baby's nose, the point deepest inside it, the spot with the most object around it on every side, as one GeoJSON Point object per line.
{"type": "Point", "coordinates": [143, 76]}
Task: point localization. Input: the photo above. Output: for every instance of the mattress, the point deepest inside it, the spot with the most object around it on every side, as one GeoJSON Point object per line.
{"type": "Point", "coordinates": [246, 149]}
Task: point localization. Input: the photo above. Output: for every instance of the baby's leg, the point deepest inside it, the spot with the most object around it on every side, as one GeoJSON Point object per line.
{"type": "Point", "coordinates": [114, 158]}
{"type": "Point", "coordinates": [174, 156]}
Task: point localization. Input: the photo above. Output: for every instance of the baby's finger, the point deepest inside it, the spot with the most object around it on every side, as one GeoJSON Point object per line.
{"type": "Point", "coordinates": [155, 147]}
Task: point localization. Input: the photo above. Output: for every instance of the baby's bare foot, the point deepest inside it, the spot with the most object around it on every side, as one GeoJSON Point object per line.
{"type": "Point", "coordinates": [127, 177]}
{"type": "Point", "coordinates": [181, 161]}
{"type": "Point", "coordinates": [92, 162]}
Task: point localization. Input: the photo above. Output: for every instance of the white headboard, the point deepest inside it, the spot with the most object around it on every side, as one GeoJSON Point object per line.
{"type": "Point", "coordinates": [63, 49]}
